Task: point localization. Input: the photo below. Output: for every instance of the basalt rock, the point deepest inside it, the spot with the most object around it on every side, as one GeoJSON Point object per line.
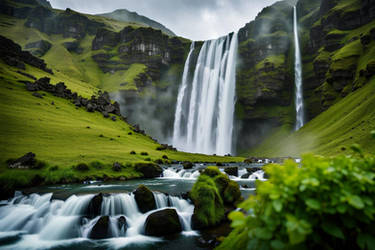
{"type": "Point", "coordinates": [101, 229]}
{"type": "Point", "coordinates": [145, 199]}
{"type": "Point", "coordinates": [95, 206]}
{"type": "Point", "coordinates": [12, 54]}
{"type": "Point", "coordinates": [231, 171]}
{"type": "Point", "coordinates": [163, 223]}
{"type": "Point", "coordinates": [26, 161]}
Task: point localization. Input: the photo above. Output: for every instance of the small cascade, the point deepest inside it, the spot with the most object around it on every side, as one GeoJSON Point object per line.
{"type": "Point", "coordinates": [211, 100]}
{"type": "Point", "coordinates": [300, 116]}
{"type": "Point", "coordinates": [194, 174]}
{"type": "Point", "coordinates": [56, 220]}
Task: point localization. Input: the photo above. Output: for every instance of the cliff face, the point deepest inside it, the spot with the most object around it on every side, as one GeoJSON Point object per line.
{"type": "Point", "coordinates": [336, 37]}
{"type": "Point", "coordinates": [264, 75]}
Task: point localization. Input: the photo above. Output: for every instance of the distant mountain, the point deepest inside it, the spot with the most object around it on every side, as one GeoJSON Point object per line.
{"type": "Point", "coordinates": [128, 16]}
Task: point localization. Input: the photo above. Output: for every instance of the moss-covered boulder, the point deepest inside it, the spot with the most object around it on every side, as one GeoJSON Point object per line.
{"type": "Point", "coordinates": [145, 199]}
{"type": "Point", "coordinates": [149, 170]}
{"type": "Point", "coordinates": [209, 207]}
{"type": "Point", "coordinates": [231, 193]}
{"type": "Point", "coordinates": [211, 193]}
{"type": "Point", "coordinates": [162, 223]}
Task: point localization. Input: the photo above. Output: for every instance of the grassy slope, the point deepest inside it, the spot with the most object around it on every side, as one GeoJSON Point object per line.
{"type": "Point", "coordinates": [348, 121]}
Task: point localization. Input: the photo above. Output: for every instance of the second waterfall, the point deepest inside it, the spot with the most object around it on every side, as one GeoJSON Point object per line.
{"type": "Point", "coordinates": [205, 105]}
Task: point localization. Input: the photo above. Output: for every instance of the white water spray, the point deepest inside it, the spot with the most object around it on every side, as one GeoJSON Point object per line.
{"type": "Point", "coordinates": [212, 100]}
{"type": "Point", "coordinates": [300, 119]}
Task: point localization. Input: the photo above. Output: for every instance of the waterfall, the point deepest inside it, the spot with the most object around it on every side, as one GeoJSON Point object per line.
{"type": "Point", "coordinates": [298, 75]}
{"type": "Point", "coordinates": [210, 108]}
{"type": "Point", "coordinates": [179, 114]}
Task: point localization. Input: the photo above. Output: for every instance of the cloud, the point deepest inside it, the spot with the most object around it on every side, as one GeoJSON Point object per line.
{"type": "Point", "coordinates": [193, 19]}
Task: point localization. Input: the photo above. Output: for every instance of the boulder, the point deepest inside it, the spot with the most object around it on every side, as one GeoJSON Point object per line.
{"type": "Point", "coordinates": [253, 170]}
{"type": "Point", "coordinates": [162, 223]}
{"type": "Point", "coordinates": [231, 193]}
{"type": "Point", "coordinates": [149, 170]}
{"type": "Point", "coordinates": [245, 176]}
{"type": "Point", "coordinates": [95, 206]}
{"type": "Point", "coordinates": [188, 165]}
{"type": "Point", "coordinates": [101, 229]}
{"type": "Point", "coordinates": [231, 171]}
{"type": "Point", "coordinates": [145, 199]}
{"type": "Point", "coordinates": [38, 95]}
{"type": "Point", "coordinates": [121, 224]}
{"type": "Point", "coordinates": [26, 161]}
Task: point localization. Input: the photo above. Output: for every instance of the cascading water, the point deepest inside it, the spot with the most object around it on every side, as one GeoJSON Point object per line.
{"type": "Point", "coordinates": [180, 113]}
{"type": "Point", "coordinates": [210, 108]}
{"type": "Point", "coordinates": [298, 75]}
{"type": "Point", "coordinates": [45, 223]}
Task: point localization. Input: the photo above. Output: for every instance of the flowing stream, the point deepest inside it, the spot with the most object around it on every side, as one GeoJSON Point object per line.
{"type": "Point", "coordinates": [40, 222]}
{"type": "Point", "coordinates": [300, 116]}
{"type": "Point", "coordinates": [204, 114]}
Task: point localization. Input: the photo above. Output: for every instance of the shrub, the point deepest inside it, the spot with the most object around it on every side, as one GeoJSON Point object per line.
{"type": "Point", "coordinates": [148, 159]}
{"type": "Point", "coordinates": [148, 169]}
{"type": "Point", "coordinates": [144, 153]}
{"type": "Point", "coordinates": [326, 203]}
{"type": "Point", "coordinates": [165, 157]}
{"type": "Point", "coordinates": [39, 165]}
{"type": "Point", "coordinates": [82, 167]}
{"type": "Point", "coordinates": [133, 152]}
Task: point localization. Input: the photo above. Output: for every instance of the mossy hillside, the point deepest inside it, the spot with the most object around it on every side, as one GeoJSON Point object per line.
{"type": "Point", "coordinates": [332, 132]}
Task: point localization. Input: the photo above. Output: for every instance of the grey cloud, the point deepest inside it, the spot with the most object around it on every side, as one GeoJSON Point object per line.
{"type": "Point", "coordinates": [193, 19]}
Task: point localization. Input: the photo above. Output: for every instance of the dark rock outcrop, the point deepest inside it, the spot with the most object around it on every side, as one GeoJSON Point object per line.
{"type": "Point", "coordinates": [145, 199]}
{"type": "Point", "coordinates": [26, 161]}
{"type": "Point", "coordinates": [12, 54]}
{"type": "Point", "coordinates": [95, 206]}
{"type": "Point", "coordinates": [163, 223]}
{"type": "Point", "coordinates": [38, 48]}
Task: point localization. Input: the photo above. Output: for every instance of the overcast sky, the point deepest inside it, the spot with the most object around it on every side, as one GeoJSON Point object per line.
{"type": "Point", "coordinates": [193, 19]}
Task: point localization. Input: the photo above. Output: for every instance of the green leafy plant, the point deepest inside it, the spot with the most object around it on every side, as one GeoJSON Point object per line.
{"type": "Point", "coordinates": [324, 202]}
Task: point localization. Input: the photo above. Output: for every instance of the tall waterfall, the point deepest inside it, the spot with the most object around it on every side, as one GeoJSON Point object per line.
{"type": "Point", "coordinates": [300, 116]}
{"type": "Point", "coordinates": [209, 104]}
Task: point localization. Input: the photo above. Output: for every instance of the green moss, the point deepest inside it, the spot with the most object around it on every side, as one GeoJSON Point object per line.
{"type": "Point", "coordinates": [209, 208]}
{"type": "Point", "coordinates": [232, 192]}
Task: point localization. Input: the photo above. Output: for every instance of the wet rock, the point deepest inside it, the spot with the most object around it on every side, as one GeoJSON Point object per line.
{"type": "Point", "coordinates": [145, 199]}
{"type": "Point", "coordinates": [245, 176]}
{"type": "Point", "coordinates": [149, 170]}
{"type": "Point", "coordinates": [231, 171]}
{"type": "Point", "coordinates": [121, 223]}
{"type": "Point", "coordinates": [101, 229]}
{"type": "Point", "coordinates": [26, 161]}
{"type": "Point", "coordinates": [188, 165]}
{"type": "Point", "coordinates": [162, 223]}
{"type": "Point", "coordinates": [95, 206]}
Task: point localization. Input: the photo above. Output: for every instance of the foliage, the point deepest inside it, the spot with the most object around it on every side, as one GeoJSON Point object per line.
{"type": "Point", "coordinates": [326, 202]}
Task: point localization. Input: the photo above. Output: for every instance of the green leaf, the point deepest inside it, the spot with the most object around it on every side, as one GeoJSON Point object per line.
{"type": "Point", "coordinates": [333, 230]}
{"type": "Point", "coordinates": [263, 233]}
{"type": "Point", "coordinates": [277, 205]}
{"type": "Point", "coordinates": [356, 201]}
{"type": "Point", "coordinates": [373, 134]}
{"type": "Point", "coordinates": [312, 203]}
{"type": "Point", "coordinates": [277, 244]}
{"type": "Point", "coordinates": [366, 241]}
{"type": "Point", "coordinates": [236, 215]}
